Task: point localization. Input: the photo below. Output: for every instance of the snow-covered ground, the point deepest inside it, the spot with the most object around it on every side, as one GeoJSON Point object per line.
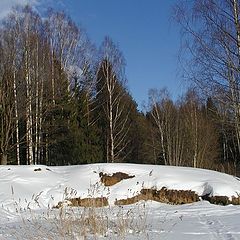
{"type": "Point", "coordinates": [27, 197]}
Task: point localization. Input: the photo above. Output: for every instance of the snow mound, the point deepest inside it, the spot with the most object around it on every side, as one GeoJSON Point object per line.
{"type": "Point", "coordinates": [45, 186]}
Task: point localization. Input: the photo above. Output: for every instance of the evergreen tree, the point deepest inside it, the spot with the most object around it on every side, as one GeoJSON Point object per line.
{"type": "Point", "coordinates": [90, 147]}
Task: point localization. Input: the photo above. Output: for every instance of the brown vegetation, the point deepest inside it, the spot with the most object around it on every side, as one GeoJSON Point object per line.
{"type": "Point", "coordinates": [164, 196]}
{"type": "Point", "coordinates": [219, 200]}
{"type": "Point", "coordinates": [110, 180]}
{"type": "Point", "coordinates": [235, 200]}
{"type": "Point", "coordinates": [85, 202]}
{"type": "Point", "coordinates": [222, 200]}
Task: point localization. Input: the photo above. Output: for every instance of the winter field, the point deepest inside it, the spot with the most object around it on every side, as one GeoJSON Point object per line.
{"type": "Point", "coordinates": [29, 195]}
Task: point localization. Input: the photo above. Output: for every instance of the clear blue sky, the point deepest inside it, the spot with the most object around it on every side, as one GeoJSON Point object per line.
{"type": "Point", "coordinates": [143, 30]}
{"type": "Point", "coordinates": [146, 35]}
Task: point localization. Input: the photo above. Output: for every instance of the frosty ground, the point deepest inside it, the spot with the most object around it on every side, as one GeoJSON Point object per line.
{"type": "Point", "coordinates": [29, 193]}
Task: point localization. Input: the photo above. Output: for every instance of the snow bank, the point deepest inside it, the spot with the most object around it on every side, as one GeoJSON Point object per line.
{"type": "Point", "coordinates": [46, 186]}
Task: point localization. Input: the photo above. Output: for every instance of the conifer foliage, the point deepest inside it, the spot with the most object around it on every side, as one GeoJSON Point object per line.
{"type": "Point", "coordinates": [62, 102]}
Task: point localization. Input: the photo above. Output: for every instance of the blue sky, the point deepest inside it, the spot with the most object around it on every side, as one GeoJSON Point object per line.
{"type": "Point", "coordinates": [144, 31]}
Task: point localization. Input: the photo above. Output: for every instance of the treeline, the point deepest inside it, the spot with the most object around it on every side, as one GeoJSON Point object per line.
{"type": "Point", "coordinates": [211, 60]}
{"type": "Point", "coordinates": [63, 101]}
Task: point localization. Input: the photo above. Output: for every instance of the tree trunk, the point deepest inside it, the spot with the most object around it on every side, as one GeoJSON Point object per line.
{"type": "Point", "coordinates": [29, 110]}
{"type": "Point", "coordinates": [3, 159]}
{"type": "Point", "coordinates": [16, 114]}
{"type": "Point", "coordinates": [36, 160]}
{"type": "Point", "coordinates": [111, 129]}
{"type": "Point", "coordinates": [195, 157]}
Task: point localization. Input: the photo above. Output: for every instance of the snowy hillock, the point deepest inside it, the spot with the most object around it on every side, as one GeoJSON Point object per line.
{"type": "Point", "coordinates": [29, 195]}
{"type": "Point", "coordinates": [47, 186]}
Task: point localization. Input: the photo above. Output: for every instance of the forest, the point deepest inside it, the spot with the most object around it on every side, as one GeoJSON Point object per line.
{"type": "Point", "coordinates": [63, 101]}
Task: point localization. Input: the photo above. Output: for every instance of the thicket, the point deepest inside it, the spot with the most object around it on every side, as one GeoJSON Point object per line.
{"type": "Point", "coordinates": [63, 101]}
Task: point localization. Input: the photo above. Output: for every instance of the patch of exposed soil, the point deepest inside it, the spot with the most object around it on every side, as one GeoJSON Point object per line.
{"type": "Point", "coordinates": [110, 180]}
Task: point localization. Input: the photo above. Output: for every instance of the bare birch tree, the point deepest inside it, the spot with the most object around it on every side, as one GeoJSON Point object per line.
{"type": "Point", "coordinates": [30, 30]}
{"type": "Point", "coordinates": [184, 136]}
{"type": "Point", "coordinates": [66, 41]}
{"type": "Point", "coordinates": [10, 39]}
{"type": "Point", "coordinates": [111, 89]}
{"type": "Point", "coordinates": [6, 107]}
{"type": "Point", "coordinates": [201, 136]}
{"type": "Point", "coordinates": [211, 31]}
{"type": "Point", "coordinates": [167, 120]}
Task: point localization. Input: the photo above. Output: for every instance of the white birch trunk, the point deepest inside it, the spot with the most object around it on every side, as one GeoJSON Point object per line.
{"type": "Point", "coordinates": [160, 128]}
{"type": "Point", "coordinates": [16, 114]}
{"type": "Point", "coordinates": [195, 124]}
{"type": "Point", "coordinates": [52, 73]}
{"type": "Point", "coordinates": [40, 119]}
{"type": "Point", "coordinates": [29, 109]}
{"type": "Point", "coordinates": [36, 149]}
{"type": "Point", "coordinates": [111, 128]}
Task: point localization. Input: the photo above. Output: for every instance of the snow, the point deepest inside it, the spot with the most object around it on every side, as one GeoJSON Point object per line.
{"type": "Point", "coordinates": [25, 191]}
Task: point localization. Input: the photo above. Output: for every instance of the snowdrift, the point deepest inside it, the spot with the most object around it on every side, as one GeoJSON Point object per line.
{"type": "Point", "coordinates": [47, 186]}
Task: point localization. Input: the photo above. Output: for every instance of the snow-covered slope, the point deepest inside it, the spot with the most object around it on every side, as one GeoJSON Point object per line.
{"type": "Point", "coordinates": [50, 183]}
{"type": "Point", "coordinates": [44, 186]}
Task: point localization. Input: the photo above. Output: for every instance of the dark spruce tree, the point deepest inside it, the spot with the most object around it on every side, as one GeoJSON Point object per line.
{"type": "Point", "coordinates": [89, 139]}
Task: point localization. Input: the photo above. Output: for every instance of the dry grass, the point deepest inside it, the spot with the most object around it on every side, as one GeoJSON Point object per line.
{"type": "Point", "coordinates": [74, 223]}
{"type": "Point", "coordinates": [110, 180]}
{"type": "Point", "coordinates": [222, 200]}
{"type": "Point", "coordinates": [92, 218]}
{"type": "Point", "coordinates": [163, 195]}
{"type": "Point", "coordinates": [83, 223]}
{"type": "Point", "coordinates": [85, 202]}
